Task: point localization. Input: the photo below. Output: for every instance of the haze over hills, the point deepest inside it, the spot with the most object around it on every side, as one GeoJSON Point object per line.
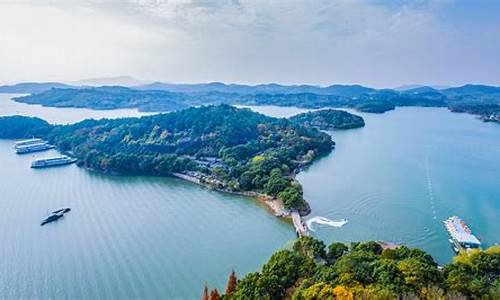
{"type": "Point", "coordinates": [124, 80]}
{"type": "Point", "coordinates": [406, 87]}
{"type": "Point", "coordinates": [31, 87]}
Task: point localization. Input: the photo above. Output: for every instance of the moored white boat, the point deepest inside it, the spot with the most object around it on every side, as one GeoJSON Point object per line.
{"type": "Point", "coordinates": [53, 161]}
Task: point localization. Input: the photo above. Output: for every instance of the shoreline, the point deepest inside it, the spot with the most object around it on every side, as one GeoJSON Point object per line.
{"type": "Point", "coordinates": [275, 206]}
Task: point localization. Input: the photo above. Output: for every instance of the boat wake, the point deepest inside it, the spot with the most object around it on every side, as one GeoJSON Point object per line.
{"type": "Point", "coordinates": [325, 221]}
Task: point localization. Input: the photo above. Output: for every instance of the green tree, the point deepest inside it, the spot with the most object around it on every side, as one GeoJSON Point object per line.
{"type": "Point", "coordinates": [387, 275]}
{"type": "Point", "coordinates": [276, 183]}
{"type": "Point", "coordinates": [371, 247]}
{"type": "Point", "coordinates": [417, 274]}
{"type": "Point", "coordinates": [336, 250]}
{"type": "Point", "coordinates": [309, 246]}
{"type": "Point", "coordinates": [283, 269]}
{"type": "Point", "coordinates": [292, 197]}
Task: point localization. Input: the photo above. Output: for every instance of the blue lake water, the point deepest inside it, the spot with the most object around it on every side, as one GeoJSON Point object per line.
{"type": "Point", "coordinates": [143, 237]}
{"type": "Point", "coordinates": [405, 172]}
{"type": "Point", "coordinates": [126, 237]}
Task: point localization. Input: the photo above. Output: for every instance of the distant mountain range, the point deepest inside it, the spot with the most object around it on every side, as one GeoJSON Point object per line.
{"type": "Point", "coordinates": [271, 88]}
{"type": "Point", "coordinates": [414, 86]}
{"type": "Point", "coordinates": [167, 96]}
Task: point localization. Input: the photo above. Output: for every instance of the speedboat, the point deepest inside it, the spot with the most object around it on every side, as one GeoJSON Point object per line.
{"type": "Point", "coordinates": [55, 215]}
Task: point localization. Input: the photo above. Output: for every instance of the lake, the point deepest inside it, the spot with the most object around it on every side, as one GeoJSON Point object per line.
{"type": "Point", "coordinates": [60, 115]}
{"type": "Point", "coordinates": [126, 237]}
{"type": "Point", "coordinates": [405, 172]}
{"type": "Point", "coordinates": [145, 237]}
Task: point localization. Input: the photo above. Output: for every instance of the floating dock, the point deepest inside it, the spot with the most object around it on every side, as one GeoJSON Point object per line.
{"type": "Point", "coordinates": [461, 236]}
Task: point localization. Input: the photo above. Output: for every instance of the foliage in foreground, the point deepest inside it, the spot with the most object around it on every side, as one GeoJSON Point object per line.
{"type": "Point", "coordinates": [367, 271]}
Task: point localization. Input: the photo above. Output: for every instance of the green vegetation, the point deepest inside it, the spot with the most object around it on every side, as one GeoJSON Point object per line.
{"type": "Point", "coordinates": [18, 127]}
{"type": "Point", "coordinates": [169, 97]}
{"type": "Point", "coordinates": [376, 107]}
{"type": "Point", "coordinates": [222, 146]}
{"type": "Point", "coordinates": [107, 97]}
{"type": "Point", "coordinates": [329, 119]}
{"type": "Point", "coordinates": [367, 271]}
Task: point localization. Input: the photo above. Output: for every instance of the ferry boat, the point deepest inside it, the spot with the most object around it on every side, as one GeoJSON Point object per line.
{"type": "Point", "coordinates": [28, 142]}
{"type": "Point", "coordinates": [42, 146]}
{"type": "Point", "coordinates": [461, 236]}
{"type": "Point", "coordinates": [52, 162]}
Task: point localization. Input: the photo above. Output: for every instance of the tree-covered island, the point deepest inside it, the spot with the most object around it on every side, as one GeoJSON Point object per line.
{"type": "Point", "coordinates": [329, 119]}
{"type": "Point", "coordinates": [229, 149]}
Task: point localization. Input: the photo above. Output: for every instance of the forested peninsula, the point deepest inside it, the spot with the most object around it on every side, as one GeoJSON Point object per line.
{"type": "Point", "coordinates": [311, 271]}
{"type": "Point", "coordinates": [223, 147]}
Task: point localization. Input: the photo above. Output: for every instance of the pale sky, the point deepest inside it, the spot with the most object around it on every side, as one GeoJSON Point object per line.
{"type": "Point", "coordinates": [374, 43]}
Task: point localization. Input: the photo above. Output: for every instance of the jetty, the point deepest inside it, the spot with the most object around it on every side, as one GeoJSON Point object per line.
{"type": "Point", "coordinates": [300, 227]}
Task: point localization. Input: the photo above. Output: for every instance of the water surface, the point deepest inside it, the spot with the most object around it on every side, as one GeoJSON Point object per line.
{"type": "Point", "coordinates": [405, 172]}
{"type": "Point", "coordinates": [126, 237]}
{"type": "Point", "coordinates": [145, 237]}
{"type": "Point", "coordinates": [61, 115]}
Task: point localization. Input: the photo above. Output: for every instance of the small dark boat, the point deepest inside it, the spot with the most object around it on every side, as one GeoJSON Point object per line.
{"type": "Point", "coordinates": [62, 210]}
{"type": "Point", "coordinates": [55, 215]}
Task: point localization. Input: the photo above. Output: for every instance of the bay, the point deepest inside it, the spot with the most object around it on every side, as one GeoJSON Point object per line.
{"type": "Point", "coordinates": [144, 237]}
{"type": "Point", "coordinates": [126, 236]}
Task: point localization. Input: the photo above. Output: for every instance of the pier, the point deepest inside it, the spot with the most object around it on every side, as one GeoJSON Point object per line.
{"type": "Point", "coordinates": [300, 226]}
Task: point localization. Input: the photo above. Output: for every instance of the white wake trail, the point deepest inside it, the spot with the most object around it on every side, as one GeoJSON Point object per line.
{"type": "Point", "coordinates": [325, 221]}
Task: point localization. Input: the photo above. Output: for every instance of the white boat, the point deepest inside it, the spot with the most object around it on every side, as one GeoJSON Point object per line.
{"type": "Point", "coordinates": [35, 147]}
{"type": "Point", "coordinates": [53, 161]}
{"type": "Point", "coordinates": [28, 142]}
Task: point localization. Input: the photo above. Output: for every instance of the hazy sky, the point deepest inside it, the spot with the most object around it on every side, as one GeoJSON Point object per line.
{"type": "Point", "coordinates": [375, 43]}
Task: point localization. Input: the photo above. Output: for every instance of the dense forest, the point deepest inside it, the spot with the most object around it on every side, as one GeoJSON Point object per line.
{"type": "Point", "coordinates": [311, 270]}
{"type": "Point", "coordinates": [169, 97]}
{"type": "Point", "coordinates": [225, 147]}
{"type": "Point", "coordinates": [107, 97]}
{"type": "Point", "coordinates": [329, 119]}
{"type": "Point", "coordinates": [17, 127]}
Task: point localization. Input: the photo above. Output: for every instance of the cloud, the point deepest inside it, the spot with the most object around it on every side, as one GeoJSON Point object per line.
{"type": "Point", "coordinates": [322, 42]}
